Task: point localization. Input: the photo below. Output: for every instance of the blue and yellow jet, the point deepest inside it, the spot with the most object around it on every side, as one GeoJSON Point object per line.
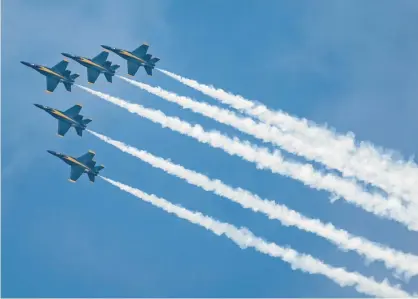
{"type": "Point", "coordinates": [67, 119]}
{"type": "Point", "coordinates": [80, 165]}
{"type": "Point", "coordinates": [58, 73]}
{"type": "Point", "coordinates": [136, 58]}
{"type": "Point", "coordinates": [96, 66]}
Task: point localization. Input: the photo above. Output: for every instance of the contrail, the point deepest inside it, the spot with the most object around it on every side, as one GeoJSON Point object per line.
{"type": "Point", "coordinates": [403, 263]}
{"type": "Point", "coordinates": [264, 159]}
{"type": "Point", "coordinates": [263, 131]}
{"type": "Point", "coordinates": [341, 152]}
{"type": "Point", "coordinates": [244, 238]}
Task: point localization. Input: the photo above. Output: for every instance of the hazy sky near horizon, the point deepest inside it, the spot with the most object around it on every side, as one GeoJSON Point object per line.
{"type": "Point", "coordinates": [350, 64]}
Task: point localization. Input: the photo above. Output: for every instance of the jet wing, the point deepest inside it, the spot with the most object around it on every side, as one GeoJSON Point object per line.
{"type": "Point", "coordinates": [132, 67]}
{"type": "Point", "coordinates": [92, 75]}
{"type": "Point", "coordinates": [87, 158]}
{"type": "Point", "coordinates": [101, 57]}
{"type": "Point", "coordinates": [63, 127]}
{"type": "Point", "coordinates": [73, 111]}
{"type": "Point", "coordinates": [76, 172]}
{"type": "Point", "coordinates": [148, 70]}
{"type": "Point", "coordinates": [141, 51]}
{"type": "Point", "coordinates": [51, 83]}
{"type": "Point", "coordinates": [60, 67]}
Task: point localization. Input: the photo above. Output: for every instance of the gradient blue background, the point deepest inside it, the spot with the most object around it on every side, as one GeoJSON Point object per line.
{"type": "Point", "coordinates": [351, 64]}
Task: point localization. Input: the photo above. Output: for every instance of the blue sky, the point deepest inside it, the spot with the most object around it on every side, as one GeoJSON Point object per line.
{"type": "Point", "coordinates": [351, 64]}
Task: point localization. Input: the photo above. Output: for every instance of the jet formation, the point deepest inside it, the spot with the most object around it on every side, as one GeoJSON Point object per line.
{"type": "Point", "coordinates": [71, 118]}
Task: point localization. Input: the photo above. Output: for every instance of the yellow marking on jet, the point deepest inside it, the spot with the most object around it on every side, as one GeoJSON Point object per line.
{"type": "Point", "coordinates": [70, 180]}
{"type": "Point", "coordinates": [61, 114]}
{"type": "Point", "coordinates": [90, 151]}
{"type": "Point", "coordinates": [90, 82]}
{"type": "Point", "coordinates": [92, 63]}
{"type": "Point", "coordinates": [60, 135]}
{"type": "Point", "coordinates": [42, 68]}
{"type": "Point", "coordinates": [76, 162]}
{"type": "Point", "coordinates": [131, 55]}
{"type": "Point", "coordinates": [47, 91]}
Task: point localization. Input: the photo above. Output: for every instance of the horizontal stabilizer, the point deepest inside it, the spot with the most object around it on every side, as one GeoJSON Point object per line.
{"type": "Point", "coordinates": [114, 67]}
{"type": "Point", "coordinates": [108, 77]}
{"type": "Point", "coordinates": [148, 70]}
{"type": "Point", "coordinates": [92, 177]}
{"type": "Point", "coordinates": [67, 86]}
{"type": "Point", "coordinates": [79, 131]}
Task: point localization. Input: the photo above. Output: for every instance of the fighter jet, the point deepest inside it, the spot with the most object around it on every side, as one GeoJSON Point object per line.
{"type": "Point", "coordinates": [96, 66]}
{"type": "Point", "coordinates": [58, 73]}
{"type": "Point", "coordinates": [67, 119]}
{"type": "Point", "coordinates": [80, 165]}
{"type": "Point", "coordinates": [136, 58]}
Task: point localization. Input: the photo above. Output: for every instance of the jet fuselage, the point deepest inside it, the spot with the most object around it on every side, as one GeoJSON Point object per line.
{"type": "Point", "coordinates": [46, 71]}
{"type": "Point", "coordinates": [61, 116]}
{"type": "Point", "coordinates": [73, 162]}
{"type": "Point", "coordinates": [87, 62]}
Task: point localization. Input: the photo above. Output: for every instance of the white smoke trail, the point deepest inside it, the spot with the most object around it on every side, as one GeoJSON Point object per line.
{"type": "Point", "coordinates": [262, 131]}
{"type": "Point", "coordinates": [264, 159]}
{"type": "Point", "coordinates": [363, 161]}
{"type": "Point", "coordinates": [244, 238]}
{"type": "Point", "coordinates": [403, 263]}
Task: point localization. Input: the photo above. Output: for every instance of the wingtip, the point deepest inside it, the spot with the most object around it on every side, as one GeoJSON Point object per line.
{"type": "Point", "coordinates": [93, 152]}
{"type": "Point", "coordinates": [89, 82]}
{"type": "Point", "coordinates": [59, 135]}
{"type": "Point", "coordinates": [65, 59]}
{"type": "Point", "coordinates": [47, 91]}
{"type": "Point", "coordinates": [79, 105]}
{"type": "Point", "coordinates": [71, 181]}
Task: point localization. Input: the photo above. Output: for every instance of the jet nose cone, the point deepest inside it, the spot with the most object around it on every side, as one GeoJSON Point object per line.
{"type": "Point", "coordinates": [106, 47]}
{"type": "Point", "coordinates": [26, 63]}
{"type": "Point", "coordinates": [39, 106]}
{"type": "Point", "coordinates": [67, 55]}
{"type": "Point", "coordinates": [52, 152]}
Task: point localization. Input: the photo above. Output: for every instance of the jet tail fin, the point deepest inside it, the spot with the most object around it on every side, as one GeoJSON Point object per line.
{"type": "Point", "coordinates": [154, 60]}
{"type": "Point", "coordinates": [74, 76]}
{"type": "Point", "coordinates": [114, 67]}
{"type": "Point", "coordinates": [98, 168]}
{"type": "Point", "coordinates": [86, 121]}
